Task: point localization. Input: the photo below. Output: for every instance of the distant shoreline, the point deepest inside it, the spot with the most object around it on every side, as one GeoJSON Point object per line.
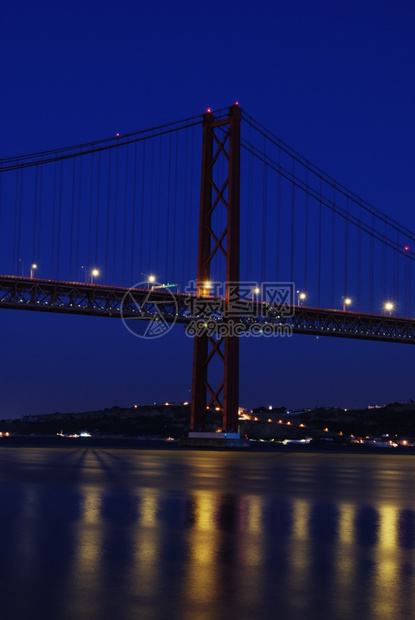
{"type": "Point", "coordinates": [129, 443]}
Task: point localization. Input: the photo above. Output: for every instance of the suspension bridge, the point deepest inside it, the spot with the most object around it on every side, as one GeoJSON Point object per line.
{"type": "Point", "coordinates": [213, 223]}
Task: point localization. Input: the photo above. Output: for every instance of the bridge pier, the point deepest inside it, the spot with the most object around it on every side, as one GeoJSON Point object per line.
{"type": "Point", "coordinates": [221, 147]}
{"type": "Point", "coordinates": [215, 441]}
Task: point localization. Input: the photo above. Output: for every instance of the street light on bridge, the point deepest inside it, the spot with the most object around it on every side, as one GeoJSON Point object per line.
{"type": "Point", "coordinates": [151, 280]}
{"type": "Point", "coordinates": [32, 271]}
{"type": "Point", "coordinates": [346, 302]}
{"type": "Point", "coordinates": [94, 274]}
{"type": "Point", "coordinates": [300, 297]}
{"type": "Point", "coordinates": [389, 306]}
{"type": "Point", "coordinates": [206, 286]}
{"type": "Point", "coordinates": [255, 291]}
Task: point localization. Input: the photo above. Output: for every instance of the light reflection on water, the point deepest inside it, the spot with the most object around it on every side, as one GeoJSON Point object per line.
{"type": "Point", "coordinates": [92, 533]}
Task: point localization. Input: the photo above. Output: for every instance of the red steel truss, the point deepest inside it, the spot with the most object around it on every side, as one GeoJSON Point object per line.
{"type": "Point", "coordinates": [221, 147]}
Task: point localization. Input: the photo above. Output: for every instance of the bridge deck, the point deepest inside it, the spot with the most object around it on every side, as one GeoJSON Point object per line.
{"type": "Point", "coordinates": [35, 294]}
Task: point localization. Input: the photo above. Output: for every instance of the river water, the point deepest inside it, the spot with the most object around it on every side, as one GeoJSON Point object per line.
{"type": "Point", "coordinates": [100, 533]}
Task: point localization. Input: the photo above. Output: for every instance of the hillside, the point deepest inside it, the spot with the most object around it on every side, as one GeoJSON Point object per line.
{"type": "Point", "coordinates": [172, 420]}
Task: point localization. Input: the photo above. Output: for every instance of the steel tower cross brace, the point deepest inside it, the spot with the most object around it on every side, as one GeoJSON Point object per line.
{"type": "Point", "coordinates": [220, 150]}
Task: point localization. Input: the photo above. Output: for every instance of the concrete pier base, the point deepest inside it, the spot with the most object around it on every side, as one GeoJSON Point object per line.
{"type": "Point", "coordinates": [215, 441]}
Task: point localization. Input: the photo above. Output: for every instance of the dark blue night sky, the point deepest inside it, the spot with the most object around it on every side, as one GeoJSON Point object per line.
{"type": "Point", "coordinates": [333, 80]}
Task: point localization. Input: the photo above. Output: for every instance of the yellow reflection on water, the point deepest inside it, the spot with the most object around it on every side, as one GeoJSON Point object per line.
{"type": "Point", "coordinates": [84, 577]}
{"type": "Point", "coordinates": [301, 517]}
{"type": "Point", "coordinates": [202, 546]}
{"type": "Point", "coordinates": [89, 539]}
{"type": "Point", "coordinates": [346, 523]}
{"type": "Point", "coordinates": [91, 505]}
{"type": "Point", "coordinates": [149, 502]}
{"type": "Point", "coordinates": [252, 551]}
{"type": "Point", "coordinates": [254, 513]}
{"type": "Point", "coordinates": [300, 554]}
{"type": "Point", "coordinates": [388, 527]}
{"type": "Point", "coordinates": [209, 538]}
{"type": "Point", "coordinates": [204, 509]}
{"type": "Point", "coordinates": [386, 578]}
{"type": "Point", "coordinates": [147, 544]}
{"type": "Point", "coordinates": [345, 560]}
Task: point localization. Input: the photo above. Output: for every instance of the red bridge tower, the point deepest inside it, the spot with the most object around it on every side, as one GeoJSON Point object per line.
{"type": "Point", "coordinates": [218, 257]}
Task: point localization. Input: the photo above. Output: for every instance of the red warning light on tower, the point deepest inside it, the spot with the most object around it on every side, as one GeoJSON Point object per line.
{"type": "Point", "coordinates": [209, 110]}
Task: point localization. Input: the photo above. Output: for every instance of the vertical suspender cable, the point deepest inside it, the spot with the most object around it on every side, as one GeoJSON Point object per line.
{"type": "Point", "coordinates": [306, 225]}
{"type": "Point", "coordinates": [107, 227]}
{"type": "Point", "coordinates": [173, 261]}
{"type": "Point", "coordinates": [264, 217]}
{"type": "Point", "coordinates": [394, 274]}
{"type": "Point", "coordinates": [278, 231]}
{"type": "Point", "coordinates": [124, 234]}
{"type": "Point", "coordinates": [359, 266]}
{"type": "Point", "coordinates": [186, 229]}
{"type": "Point", "coordinates": [52, 244]}
{"type": "Point", "coordinates": [72, 217]}
{"type": "Point", "coordinates": [78, 217]}
{"type": "Point", "coordinates": [405, 286]}
{"type": "Point", "coordinates": [151, 206]}
{"type": "Point", "coordinates": [34, 257]}
{"type": "Point", "coordinates": [58, 249]}
{"type": "Point", "coordinates": [143, 187]}
{"type": "Point", "coordinates": [333, 248]}
{"type": "Point", "coordinates": [249, 216]}
{"type": "Point", "coordinates": [115, 220]}
{"type": "Point", "coordinates": [16, 256]}
{"type": "Point", "coordinates": [1, 200]}
{"type": "Point", "coordinates": [168, 209]}
{"type": "Point", "coordinates": [39, 228]}
{"type": "Point", "coordinates": [91, 209]}
{"type": "Point", "coordinates": [20, 209]}
{"type": "Point", "coordinates": [383, 265]}
{"type": "Point", "coordinates": [97, 215]}
{"type": "Point", "coordinates": [410, 270]}
{"type": "Point", "coordinates": [398, 261]}
{"type": "Point", "coordinates": [189, 266]}
{"type": "Point", "coordinates": [292, 222]}
{"type": "Point", "coordinates": [346, 252]}
{"type": "Point", "coordinates": [319, 246]}
{"type": "Point", "coordinates": [2, 227]}
{"type": "Point", "coordinates": [133, 214]}
{"type": "Point", "coordinates": [158, 229]}
{"type": "Point", "coordinates": [371, 267]}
